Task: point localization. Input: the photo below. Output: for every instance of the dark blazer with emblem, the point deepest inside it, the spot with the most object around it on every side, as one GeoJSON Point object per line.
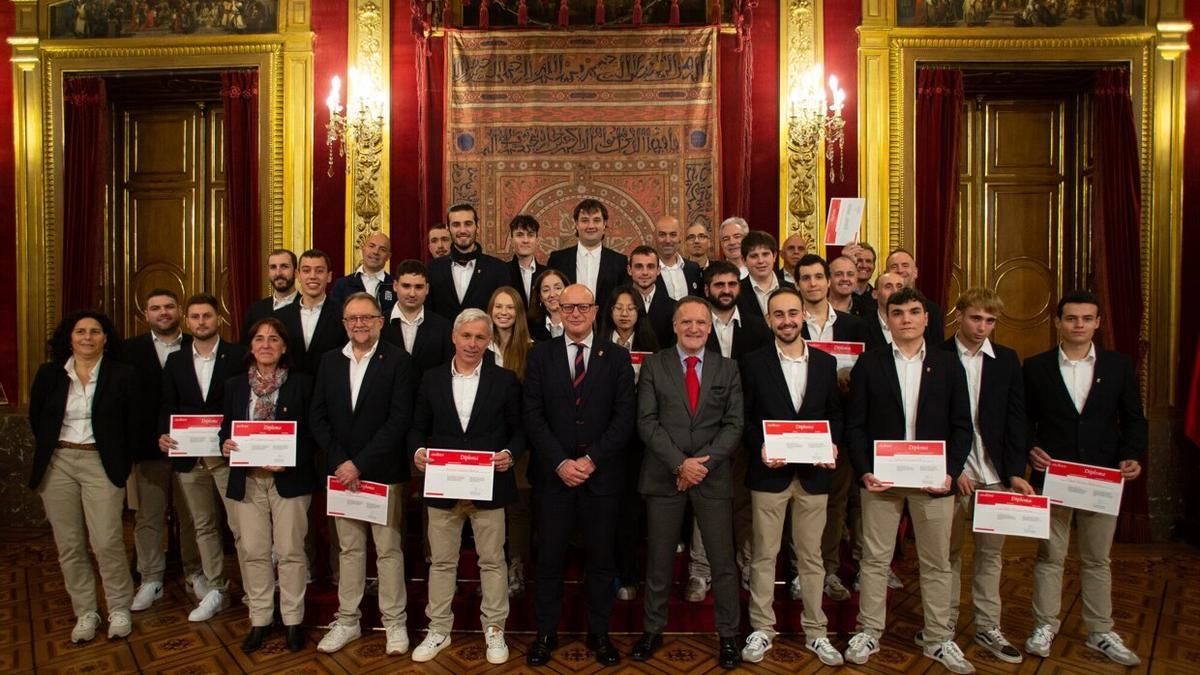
{"type": "Point", "coordinates": [432, 345]}
{"type": "Point", "coordinates": [768, 398]}
{"type": "Point", "coordinates": [661, 315]}
{"type": "Point", "coordinates": [372, 433]}
{"type": "Point", "coordinates": [260, 309]}
{"type": "Point", "coordinates": [353, 283]}
{"type": "Point", "coordinates": [613, 272]}
{"type": "Point", "coordinates": [490, 274]}
{"type": "Point", "coordinates": [139, 352]}
{"type": "Point", "coordinates": [692, 275]}
{"type": "Point", "coordinates": [181, 390]}
{"type": "Point", "coordinates": [1001, 419]}
{"type": "Point", "coordinates": [328, 335]}
{"type": "Point", "coordinates": [291, 403]}
{"type": "Point", "coordinates": [515, 280]}
{"type": "Point", "coordinates": [935, 330]}
{"type": "Point", "coordinates": [495, 425]}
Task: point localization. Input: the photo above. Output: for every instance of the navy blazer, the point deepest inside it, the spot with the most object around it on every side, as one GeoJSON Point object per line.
{"type": "Point", "coordinates": [1111, 428]}
{"type": "Point", "coordinates": [372, 433]}
{"type": "Point", "coordinates": [767, 397]}
{"type": "Point", "coordinates": [139, 352]}
{"type": "Point", "coordinates": [935, 330]}
{"type": "Point", "coordinates": [490, 274]}
{"type": "Point", "coordinates": [432, 345]}
{"type": "Point", "coordinates": [601, 427]}
{"type": "Point", "coordinates": [1001, 418]}
{"type": "Point", "coordinates": [749, 334]}
{"type": "Point", "coordinates": [693, 276]}
{"type": "Point", "coordinates": [181, 390]}
{"type": "Point", "coordinates": [747, 300]}
{"type": "Point", "coordinates": [353, 283]}
{"type": "Point", "coordinates": [661, 316]}
{"type": "Point", "coordinates": [291, 403]}
{"type": "Point", "coordinates": [614, 270]}
{"type": "Point", "coordinates": [115, 419]}
{"type": "Point", "coordinates": [495, 425]}
{"type": "Point", "coordinates": [875, 409]}
{"type": "Point", "coordinates": [328, 335]}
{"type": "Point", "coordinates": [515, 280]}
{"type": "Point", "coordinates": [260, 309]}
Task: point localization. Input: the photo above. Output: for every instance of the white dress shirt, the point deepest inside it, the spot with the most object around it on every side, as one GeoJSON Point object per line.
{"type": "Point", "coordinates": [587, 353]}
{"type": "Point", "coordinates": [277, 302]}
{"type": "Point", "coordinates": [554, 329]}
{"type": "Point", "coordinates": [763, 296]}
{"type": "Point", "coordinates": [77, 417]}
{"type": "Point", "coordinates": [979, 467]}
{"type": "Point", "coordinates": [1078, 375]}
{"type": "Point", "coordinates": [464, 387]}
{"type": "Point", "coordinates": [787, 276]}
{"type": "Point", "coordinates": [587, 266]}
{"type": "Point", "coordinates": [309, 316]}
{"type": "Point", "coordinates": [818, 332]}
{"type": "Point", "coordinates": [724, 332]}
{"type": "Point", "coordinates": [461, 275]}
{"type": "Point", "coordinates": [165, 348]}
{"type": "Point", "coordinates": [908, 371]}
{"type": "Point", "coordinates": [743, 272]}
{"type": "Point", "coordinates": [887, 332]}
{"type": "Point", "coordinates": [408, 329]}
{"type": "Point", "coordinates": [673, 277]}
{"type": "Point", "coordinates": [627, 344]}
{"type": "Point", "coordinates": [795, 373]}
{"type": "Point", "coordinates": [497, 354]}
{"type": "Point", "coordinates": [358, 370]}
{"type": "Point", "coordinates": [370, 281]}
{"type": "Point", "coordinates": [203, 365]}
{"type": "Point", "coordinates": [648, 298]}
{"type": "Point", "coordinates": [527, 275]}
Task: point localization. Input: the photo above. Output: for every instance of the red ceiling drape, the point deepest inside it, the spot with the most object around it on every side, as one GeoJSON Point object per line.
{"type": "Point", "coordinates": [939, 124]}
{"type": "Point", "coordinates": [84, 161]}
{"type": "Point", "coordinates": [239, 93]}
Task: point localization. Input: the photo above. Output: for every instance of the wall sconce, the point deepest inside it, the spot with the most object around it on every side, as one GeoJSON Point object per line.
{"type": "Point", "coordinates": [365, 131]}
{"type": "Point", "coordinates": [814, 118]}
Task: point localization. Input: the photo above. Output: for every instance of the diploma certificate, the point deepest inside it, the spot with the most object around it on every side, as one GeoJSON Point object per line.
{"type": "Point", "coordinates": [459, 474]}
{"type": "Point", "coordinates": [369, 504]}
{"type": "Point", "coordinates": [1083, 486]}
{"type": "Point", "coordinates": [798, 442]}
{"type": "Point", "coordinates": [195, 435]}
{"type": "Point", "coordinates": [911, 464]}
{"type": "Point", "coordinates": [264, 443]}
{"type": "Point", "coordinates": [1010, 513]}
{"type": "Point", "coordinates": [846, 353]}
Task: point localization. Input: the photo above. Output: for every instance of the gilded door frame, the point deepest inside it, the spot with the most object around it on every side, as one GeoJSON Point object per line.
{"type": "Point", "coordinates": [284, 61]}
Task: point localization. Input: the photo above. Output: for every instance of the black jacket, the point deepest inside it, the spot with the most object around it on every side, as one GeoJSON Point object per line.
{"type": "Point", "coordinates": [692, 275]}
{"type": "Point", "coordinates": [490, 274]}
{"type": "Point", "coordinates": [328, 335]}
{"type": "Point", "coordinates": [846, 328]}
{"type": "Point", "coordinates": [352, 283]}
{"type": "Point", "coordinates": [935, 330]}
{"type": "Point", "coordinates": [747, 300]}
{"type": "Point", "coordinates": [613, 272]}
{"type": "Point", "coordinates": [495, 425]}
{"type": "Point", "coordinates": [749, 334]}
{"type": "Point", "coordinates": [515, 280]}
{"type": "Point", "coordinates": [261, 309]}
{"type": "Point", "coordinates": [139, 352]}
{"type": "Point", "coordinates": [1001, 419]}
{"type": "Point", "coordinates": [661, 316]}
{"type": "Point", "coordinates": [181, 390]}
{"type": "Point", "coordinates": [292, 403]}
{"type": "Point", "coordinates": [431, 346]}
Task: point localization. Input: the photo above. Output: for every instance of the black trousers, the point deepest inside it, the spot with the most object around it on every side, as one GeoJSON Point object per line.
{"type": "Point", "coordinates": [560, 511]}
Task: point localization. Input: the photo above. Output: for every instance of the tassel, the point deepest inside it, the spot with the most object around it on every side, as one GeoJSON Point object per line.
{"type": "Point", "coordinates": [483, 14]}
{"type": "Point", "coordinates": [448, 14]}
{"type": "Point", "coordinates": [637, 12]}
{"type": "Point", "coordinates": [599, 12]}
{"type": "Point", "coordinates": [564, 14]}
{"type": "Point", "coordinates": [522, 14]}
{"type": "Point", "coordinates": [674, 13]}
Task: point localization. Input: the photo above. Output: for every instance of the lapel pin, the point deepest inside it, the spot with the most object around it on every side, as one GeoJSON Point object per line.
{"type": "Point", "coordinates": [1097, 380]}
{"type": "Point", "coordinates": [284, 409]}
{"type": "Point", "coordinates": [929, 370]}
{"type": "Point", "coordinates": [600, 353]}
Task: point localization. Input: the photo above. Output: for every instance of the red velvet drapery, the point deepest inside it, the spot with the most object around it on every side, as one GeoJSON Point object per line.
{"type": "Point", "coordinates": [939, 126]}
{"type": "Point", "coordinates": [1116, 243]}
{"type": "Point", "coordinates": [85, 153]}
{"type": "Point", "coordinates": [239, 93]}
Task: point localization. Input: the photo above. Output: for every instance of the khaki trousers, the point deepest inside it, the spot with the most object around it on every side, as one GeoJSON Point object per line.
{"type": "Point", "coordinates": [83, 505]}
{"type": "Point", "coordinates": [843, 507]}
{"type": "Point", "coordinates": [153, 479]}
{"type": "Point", "coordinates": [389, 561]}
{"type": "Point", "coordinates": [269, 521]}
{"type": "Point", "coordinates": [808, 521]}
{"type": "Point", "coordinates": [1095, 532]}
{"type": "Point", "coordinates": [197, 488]}
{"type": "Point", "coordinates": [742, 518]}
{"type": "Point", "coordinates": [986, 566]}
{"type": "Point", "coordinates": [931, 518]}
{"type": "Point", "coordinates": [445, 541]}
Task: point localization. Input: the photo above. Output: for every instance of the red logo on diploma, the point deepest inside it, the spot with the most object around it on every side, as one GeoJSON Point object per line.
{"type": "Point", "coordinates": [195, 421]}
{"type": "Point", "coordinates": [893, 448]}
{"type": "Point", "coordinates": [263, 428]}
{"type": "Point", "coordinates": [774, 428]}
{"type": "Point", "coordinates": [839, 348]}
{"type": "Point", "coordinates": [637, 357]}
{"type": "Point", "coordinates": [1073, 470]}
{"type": "Point", "coordinates": [364, 487]}
{"type": "Point", "coordinates": [989, 498]}
{"type": "Point", "coordinates": [468, 458]}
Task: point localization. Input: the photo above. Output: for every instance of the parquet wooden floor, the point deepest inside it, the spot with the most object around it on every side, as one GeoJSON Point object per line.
{"type": "Point", "coordinates": [1156, 602]}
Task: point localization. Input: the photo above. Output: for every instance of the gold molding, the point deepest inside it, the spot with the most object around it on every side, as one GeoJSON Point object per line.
{"type": "Point", "coordinates": [801, 201]}
{"type": "Point", "coordinates": [367, 156]}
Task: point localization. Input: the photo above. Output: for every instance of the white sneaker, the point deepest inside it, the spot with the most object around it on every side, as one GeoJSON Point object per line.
{"type": "Point", "coordinates": [146, 594]}
{"type": "Point", "coordinates": [758, 644]}
{"type": "Point", "coordinates": [397, 639]}
{"type": "Point", "coordinates": [949, 655]}
{"type": "Point", "coordinates": [85, 627]}
{"type": "Point", "coordinates": [861, 647]}
{"type": "Point", "coordinates": [497, 650]}
{"type": "Point", "coordinates": [835, 589]}
{"type": "Point", "coordinates": [119, 625]}
{"type": "Point", "coordinates": [214, 601]}
{"type": "Point", "coordinates": [339, 636]}
{"type": "Point", "coordinates": [919, 638]}
{"type": "Point", "coordinates": [825, 651]}
{"type": "Point", "coordinates": [433, 643]}
{"type": "Point", "coordinates": [1040, 640]}
{"type": "Point", "coordinates": [1110, 645]}
{"type": "Point", "coordinates": [198, 585]}
{"type": "Point", "coordinates": [894, 582]}
{"type": "Point", "coordinates": [993, 640]}
{"type": "Point", "coordinates": [794, 588]}
{"type": "Point", "coordinates": [697, 589]}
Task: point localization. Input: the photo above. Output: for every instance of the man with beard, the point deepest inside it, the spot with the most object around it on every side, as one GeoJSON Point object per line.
{"type": "Point", "coordinates": [467, 277]}
{"type": "Point", "coordinates": [590, 262]}
{"type": "Point", "coordinates": [698, 244]}
{"type": "Point", "coordinates": [439, 241]}
{"type": "Point", "coordinates": [281, 268]}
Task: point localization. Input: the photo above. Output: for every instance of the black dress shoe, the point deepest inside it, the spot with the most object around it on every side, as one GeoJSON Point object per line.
{"type": "Point", "coordinates": [731, 656]}
{"type": "Point", "coordinates": [645, 647]}
{"type": "Point", "coordinates": [606, 653]}
{"type": "Point", "coordinates": [542, 649]}
{"type": "Point", "coordinates": [254, 639]}
{"type": "Point", "coordinates": [295, 638]}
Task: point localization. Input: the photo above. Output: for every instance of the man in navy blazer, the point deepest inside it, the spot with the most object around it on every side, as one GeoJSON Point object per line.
{"type": "Point", "coordinates": [759, 252]}
{"type": "Point", "coordinates": [579, 418]}
{"type": "Point", "coordinates": [314, 322]}
{"type": "Point", "coordinates": [524, 267]}
{"type": "Point", "coordinates": [656, 305]}
{"type": "Point", "coordinates": [371, 277]}
{"type": "Point", "coordinates": [590, 262]}
{"type": "Point", "coordinates": [362, 405]}
{"type": "Point", "coordinates": [281, 271]}
{"type": "Point", "coordinates": [467, 277]}
{"type": "Point", "coordinates": [422, 334]}
{"type": "Point", "coordinates": [1083, 405]}
{"type": "Point", "coordinates": [678, 275]}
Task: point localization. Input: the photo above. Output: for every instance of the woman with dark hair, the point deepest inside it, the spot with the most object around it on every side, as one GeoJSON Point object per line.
{"type": "Point", "coordinates": [624, 321]}
{"type": "Point", "coordinates": [545, 319]}
{"type": "Point", "coordinates": [271, 501]}
{"type": "Point", "coordinates": [82, 411]}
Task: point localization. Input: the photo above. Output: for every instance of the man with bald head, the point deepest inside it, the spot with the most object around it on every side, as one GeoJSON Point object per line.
{"type": "Point", "coordinates": [579, 418]}
{"type": "Point", "coordinates": [901, 262]}
{"type": "Point", "coordinates": [678, 276]}
{"type": "Point", "coordinates": [878, 333]}
{"type": "Point", "coordinates": [794, 248]}
{"type": "Point", "coordinates": [371, 277]}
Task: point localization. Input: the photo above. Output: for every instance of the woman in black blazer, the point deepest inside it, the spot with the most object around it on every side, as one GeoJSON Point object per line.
{"type": "Point", "coordinates": [271, 502]}
{"type": "Point", "coordinates": [545, 320]}
{"type": "Point", "coordinates": [82, 411]}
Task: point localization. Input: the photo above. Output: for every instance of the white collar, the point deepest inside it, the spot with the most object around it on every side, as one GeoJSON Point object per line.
{"type": "Point", "coordinates": [735, 318]}
{"type": "Point", "coordinates": [580, 249]}
{"type": "Point", "coordinates": [397, 313]}
{"type": "Point", "coordinates": [899, 355]}
{"type": "Point", "coordinates": [985, 348]}
{"type": "Point", "coordinates": [196, 352]}
{"type": "Point", "coordinates": [1064, 360]}
{"type": "Point", "coordinates": [678, 262]}
{"type": "Point", "coordinates": [586, 342]}
{"type": "Point", "coordinates": [829, 319]}
{"type": "Point", "coordinates": [378, 275]}
{"type": "Point", "coordinates": [69, 366]}
{"type": "Point", "coordinates": [348, 351]}
{"type": "Point", "coordinates": [167, 343]}
{"type": "Point", "coordinates": [474, 373]}
{"type": "Point", "coordinates": [784, 357]}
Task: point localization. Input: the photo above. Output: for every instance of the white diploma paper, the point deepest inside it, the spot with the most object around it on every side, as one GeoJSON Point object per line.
{"type": "Point", "coordinates": [844, 220]}
{"type": "Point", "coordinates": [1010, 513]}
{"type": "Point", "coordinates": [459, 474]}
{"type": "Point", "coordinates": [636, 358]}
{"type": "Point", "coordinates": [911, 464]}
{"type": "Point", "coordinates": [370, 503]}
{"type": "Point", "coordinates": [1083, 486]}
{"type": "Point", "coordinates": [846, 353]}
{"type": "Point", "coordinates": [264, 443]}
{"type": "Point", "coordinates": [798, 442]}
{"type": "Point", "coordinates": [195, 435]}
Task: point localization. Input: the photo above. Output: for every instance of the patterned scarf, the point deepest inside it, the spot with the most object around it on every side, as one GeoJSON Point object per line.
{"type": "Point", "coordinates": [266, 389]}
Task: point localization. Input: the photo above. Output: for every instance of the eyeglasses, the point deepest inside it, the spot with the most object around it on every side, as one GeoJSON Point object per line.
{"type": "Point", "coordinates": [582, 308]}
{"type": "Point", "coordinates": [365, 318]}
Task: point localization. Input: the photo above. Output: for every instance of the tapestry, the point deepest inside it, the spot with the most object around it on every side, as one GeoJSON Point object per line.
{"type": "Point", "coordinates": [538, 120]}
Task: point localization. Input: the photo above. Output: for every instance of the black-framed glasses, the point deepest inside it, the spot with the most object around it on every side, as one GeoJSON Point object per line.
{"type": "Point", "coordinates": [582, 308]}
{"type": "Point", "coordinates": [362, 318]}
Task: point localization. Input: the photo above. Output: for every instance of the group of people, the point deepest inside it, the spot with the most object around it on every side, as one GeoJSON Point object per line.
{"type": "Point", "coordinates": [616, 394]}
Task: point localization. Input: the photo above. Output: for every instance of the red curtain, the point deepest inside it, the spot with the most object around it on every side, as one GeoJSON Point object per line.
{"type": "Point", "coordinates": [939, 126]}
{"type": "Point", "coordinates": [85, 156]}
{"type": "Point", "coordinates": [1116, 243]}
{"type": "Point", "coordinates": [239, 93]}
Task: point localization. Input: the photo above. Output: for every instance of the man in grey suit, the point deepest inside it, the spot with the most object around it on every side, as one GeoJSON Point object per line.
{"type": "Point", "coordinates": [690, 417]}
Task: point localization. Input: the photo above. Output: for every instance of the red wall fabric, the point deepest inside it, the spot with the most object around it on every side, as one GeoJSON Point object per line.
{"type": "Point", "coordinates": [763, 201]}
{"type": "Point", "coordinates": [329, 192]}
{"type": "Point", "coordinates": [239, 94]}
{"type": "Point", "coordinates": [939, 124]}
{"type": "Point", "coordinates": [407, 239]}
{"type": "Point", "coordinates": [841, 59]}
{"type": "Point", "coordinates": [8, 229]}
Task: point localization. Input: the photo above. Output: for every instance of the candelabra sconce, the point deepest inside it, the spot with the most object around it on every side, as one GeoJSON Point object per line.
{"type": "Point", "coordinates": [814, 121]}
{"type": "Point", "coordinates": [360, 139]}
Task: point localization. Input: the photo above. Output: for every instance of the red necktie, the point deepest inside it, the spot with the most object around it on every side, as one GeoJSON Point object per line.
{"type": "Point", "coordinates": [693, 383]}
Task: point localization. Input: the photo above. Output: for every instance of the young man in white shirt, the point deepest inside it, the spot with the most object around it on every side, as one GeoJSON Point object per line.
{"type": "Point", "coordinates": [590, 263]}
{"type": "Point", "coordinates": [759, 252]}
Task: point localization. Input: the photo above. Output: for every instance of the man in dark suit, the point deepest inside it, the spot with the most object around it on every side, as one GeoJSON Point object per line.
{"type": "Point", "coordinates": [590, 262]}
{"type": "Point", "coordinates": [690, 417]}
{"type": "Point", "coordinates": [822, 322]}
{"type": "Point", "coordinates": [524, 267]}
{"type": "Point", "coordinates": [1083, 406]}
{"type": "Point", "coordinates": [313, 322]}
{"type": "Point", "coordinates": [734, 333]}
{"type": "Point", "coordinates": [678, 275]}
{"type": "Point", "coordinates": [423, 335]}
{"type": "Point", "coordinates": [656, 304]}
{"type": "Point", "coordinates": [698, 244]}
{"type": "Point", "coordinates": [194, 384]}
{"type": "Point", "coordinates": [467, 277]}
{"type": "Point", "coordinates": [148, 353]}
{"type": "Point", "coordinates": [362, 405]}
{"type": "Point", "coordinates": [791, 383]}
{"type": "Point", "coordinates": [841, 286]}
{"type": "Point", "coordinates": [371, 277]}
{"type": "Point", "coordinates": [791, 251]}
{"type": "Point", "coordinates": [759, 251]}
{"type": "Point", "coordinates": [901, 262]}
{"type": "Point", "coordinates": [997, 460]}
{"type": "Point", "coordinates": [579, 417]}
{"type": "Point", "coordinates": [469, 404]}
{"type": "Point", "coordinates": [281, 268]}
{"type": "Point", "coordinates": [913, 391]}
{"type": "Point", "coordinates": [878, 333]}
